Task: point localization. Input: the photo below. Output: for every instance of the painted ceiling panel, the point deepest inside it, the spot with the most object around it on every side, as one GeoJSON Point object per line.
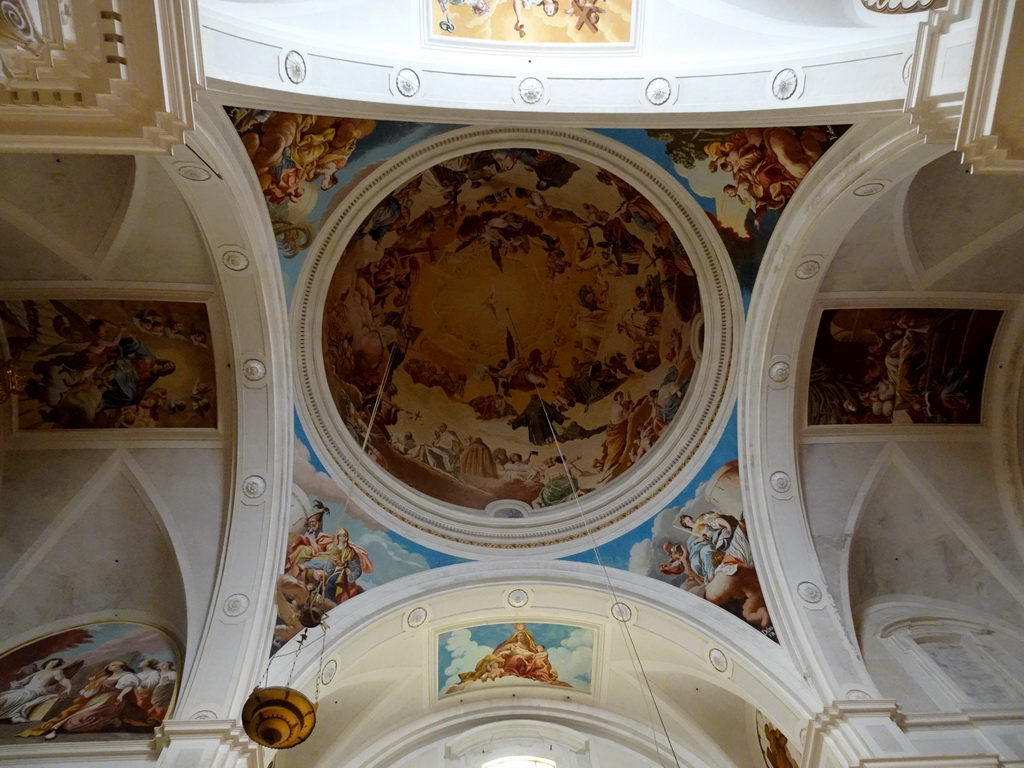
{"type": "Point", "coordinates": [900, 366]}
{"type": "Point", "coordinates": [91, 364]}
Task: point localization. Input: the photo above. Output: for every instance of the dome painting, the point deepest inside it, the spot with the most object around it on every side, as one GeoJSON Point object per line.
{"type": "Point", "coordinates": [513, 324]}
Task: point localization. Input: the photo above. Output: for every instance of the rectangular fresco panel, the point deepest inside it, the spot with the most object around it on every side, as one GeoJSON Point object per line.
{"type": "Point", "coordinates": [528, 653]}
{"type": "Point", "coordinates": [95, 680]}
{"type": "Point", "coordinates": [533, 21]}
{"type": "Point", "coordinates": [900, 366]}
{"type": "Point", "coordinates": [111, 363]}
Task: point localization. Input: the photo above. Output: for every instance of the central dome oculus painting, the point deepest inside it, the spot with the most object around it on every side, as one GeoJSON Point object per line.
{"type": "Point", "coordinates": [499, 300]}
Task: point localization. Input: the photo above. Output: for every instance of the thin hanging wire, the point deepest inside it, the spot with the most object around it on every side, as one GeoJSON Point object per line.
{"type": "Point", "coordinates": [295, 657]}
{"type": "Point", "coordinates": [638, 668]}
{"type": "Point", "coordinates": [319, 590]}
{"type": "Point", "coordinates": [320, 664]}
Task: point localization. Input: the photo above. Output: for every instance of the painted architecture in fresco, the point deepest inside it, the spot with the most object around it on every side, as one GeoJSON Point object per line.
{"type": "Point", "coordinates": [702, 546]}
{"type": "Point", "coordinates": [580, 328]}
{"type": "Point", "coordinates": [111, 363]}
{"type": "Point", "coordinates": [103, 678]}
{"type": "Point", "coordinates": [491, 655]}
{"type": "Point", "coordinates": [900, 366]}
{"type": "Point", "coordinates": [533, 21]}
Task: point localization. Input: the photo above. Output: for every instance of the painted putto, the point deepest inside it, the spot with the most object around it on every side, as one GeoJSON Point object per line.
{"type": "Point", "coordinates": [498, 301]}
{"type": "Point", "coordinates": [491, 655]}
{"type": "Point", "coordinates": [533, 21]}
{"type": "Point", "coordinates": [111, 363]}
{"type": "Point", "coordinates": [103, 678]}
{"type": "Point", "coordinates": [900, 366]}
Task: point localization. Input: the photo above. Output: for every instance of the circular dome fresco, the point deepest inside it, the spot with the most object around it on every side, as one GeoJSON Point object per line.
{"type": "Point", "coordinates": [515, 327]}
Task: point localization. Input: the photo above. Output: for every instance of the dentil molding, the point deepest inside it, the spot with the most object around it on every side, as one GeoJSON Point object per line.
{"type": "Point", "coordinates": [113, 76]}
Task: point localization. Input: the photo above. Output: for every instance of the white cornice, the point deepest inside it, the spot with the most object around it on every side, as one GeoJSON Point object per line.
{"type": "Point", "coordinates": [112, 82]}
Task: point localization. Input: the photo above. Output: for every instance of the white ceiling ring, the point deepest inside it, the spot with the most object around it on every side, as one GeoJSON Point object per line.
{"type": "Point", "coordinates": [607, 511]}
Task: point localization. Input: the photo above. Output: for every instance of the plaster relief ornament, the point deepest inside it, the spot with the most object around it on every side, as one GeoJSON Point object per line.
{"type": "Point", "coordinates": [780, 482]}
{"type": "Point", "coordinates": [902, 6]}
{"type": "Point", "coordinates": [16, 18]}
{"type": "Point", "coordinates": [295, 67]}
{"type": "Point", "coordinates": [194, 173]}
{"type": "Point", "coordinates": [236, 605]}
{"type": "Point", "coordinates": [517, 598]}
{"type": "Point", "coordinates": [253, 486]}
{"type": "Point", "coordinates": [329, 671]}
{"type": "Point", "coordinates": [416, 617]}
{"type": "Point", "coordinates": [407, 82]}
{"type": "Point", "coordinates": [659, 90]}
{"type": "Point", "coordinates": [779, 371]}
{"type": "Point", "coordinates": [809, 592]}
{"type": "Point", "coordinates": [785, 84]}
{"type": "Point", "coordinates": [236, 261]}
{"type": "Point", "coordinates": [531, 90]}
{"type": "Point", "coordinates": [621, 612]}
{"type": "Point", "coordinates": [718, 659]}
{"type": "Point", "coordinates": [253, 369]}
{"type": "Point", "coordinates": [807, 269]}
{"type": "Point", "coordinates": [205, 714]}
{"type": "Point", "coordinates": [869, 189]}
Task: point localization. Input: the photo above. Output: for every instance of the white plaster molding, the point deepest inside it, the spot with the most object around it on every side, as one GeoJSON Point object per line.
{"type": "Point", "coordinates": [673, 615]}
{"type": "Point", "coordinates": [230, 215]}
{"type": "Point", "coordinates": [861, 70]}
{"type": "Point", "coordinates": [116, 81]}
{"type": "Point", "coordinates": [941, 67]}
{"type": "Point", "coordinates": [1004, 404]}
{"type": "Point", "coordinates": [990, 133]}
{"type": "Point", "coordinates": [898, 621]}
{"type": "Point", "coordinates": [781, 310]}
{"type": "Point", "coordinates": [487, 737]}
{"type": "Point", "coordinates": [568, 527]}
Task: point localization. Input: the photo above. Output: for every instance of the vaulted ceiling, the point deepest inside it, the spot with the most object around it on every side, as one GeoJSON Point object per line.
{"type": "Point", "coordinates": [620, 396]}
